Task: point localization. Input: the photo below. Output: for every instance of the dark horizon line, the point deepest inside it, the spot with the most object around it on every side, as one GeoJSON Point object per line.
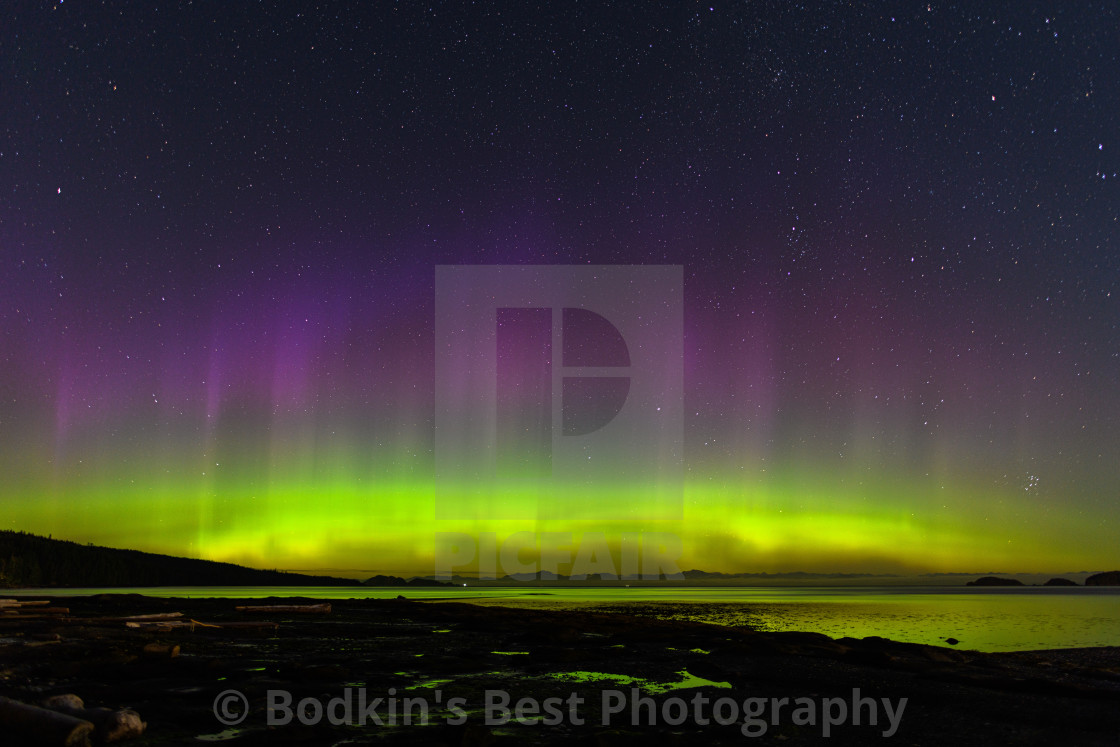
{"type": "Point", "coordinates": [714, 574]}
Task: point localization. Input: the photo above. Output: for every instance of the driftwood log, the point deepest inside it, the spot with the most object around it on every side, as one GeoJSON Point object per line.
{"type": "Point", "coordinates": [18, 611]}
{"type": "Point", "coordinates": [248, 625]}
{"type": "Point", "coordinates": [42, 726]}
{"type": "Point", "coordinates": [109, 725]}
{"type": "Point", "coordinates": [152, 616]}
{"type": "Point", "coordinates": [161, 650]}
{"type": "Point", "coordinates": [161, 625]}
{"type": "Point", "coordinates": [308, 609]}
{"type": "Point", "coordinates": [24, 603]}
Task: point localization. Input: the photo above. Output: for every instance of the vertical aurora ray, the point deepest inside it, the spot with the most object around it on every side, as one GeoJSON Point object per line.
{"type": "Point", "coordinates": [523, 383]}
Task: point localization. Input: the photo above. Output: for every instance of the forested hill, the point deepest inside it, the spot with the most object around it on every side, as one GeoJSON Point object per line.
{"type": "Point", "coordinates": [30, 560]}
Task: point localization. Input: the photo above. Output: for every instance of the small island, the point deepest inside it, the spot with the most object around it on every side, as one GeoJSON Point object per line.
{"type": "Point", "coordinates": [995, 581]}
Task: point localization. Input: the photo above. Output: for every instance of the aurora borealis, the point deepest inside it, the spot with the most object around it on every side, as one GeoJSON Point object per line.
{"type": "Point", "coordinates": [220, 226]}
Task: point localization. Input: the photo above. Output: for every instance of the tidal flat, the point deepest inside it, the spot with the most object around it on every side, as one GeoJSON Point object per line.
{"type": "Point", "coordinates": [397, 671]}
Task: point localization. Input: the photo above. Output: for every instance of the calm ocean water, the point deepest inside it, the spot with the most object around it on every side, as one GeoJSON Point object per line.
{"type": "Point", "coordinates": [985, 619]}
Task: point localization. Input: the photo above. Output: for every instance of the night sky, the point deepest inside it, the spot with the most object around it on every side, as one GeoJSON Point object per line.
{"type": "Point", "coordinates": [897, 223]}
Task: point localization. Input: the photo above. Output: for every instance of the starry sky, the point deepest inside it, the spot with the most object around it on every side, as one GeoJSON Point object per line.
{"type": "Point", "coordinates": [896, 225]}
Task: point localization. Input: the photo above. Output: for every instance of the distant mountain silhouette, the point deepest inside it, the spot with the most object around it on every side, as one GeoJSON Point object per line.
{"type": "Point", "coordinates": [697, 575]}
{"type": "Point", "coordinates": [995, 581]}
{"type": "Point", "coordinates": [30, 560]}
{"type": "Point", "coordinates": [380, 580]}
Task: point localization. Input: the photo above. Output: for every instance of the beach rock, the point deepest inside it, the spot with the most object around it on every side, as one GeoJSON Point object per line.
{"type": "Point", "coordinates": [802, 643]}
{"type": "Point", "coordinates": [1060, 582]}
{"type": "Point", "coordinates": [63, 702]}
{"type": "Point", "coordinates": [872, 656]}
{"type": "Point", "coordinates": [120, 725]}
{"type": "Point", "coordinates": [995, 581]}
{"type": "Point", "coordinates": [942, 655]}
{"type": "Point", "coordinates": [1109, 578]}
{"type": "Point", "coordinates": [110, 725]}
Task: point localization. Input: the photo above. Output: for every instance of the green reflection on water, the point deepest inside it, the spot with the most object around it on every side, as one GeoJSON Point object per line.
{"type": "Point", "coordinates": [687, 680]}
{"type": "Point", "coordinates": [985, 619]}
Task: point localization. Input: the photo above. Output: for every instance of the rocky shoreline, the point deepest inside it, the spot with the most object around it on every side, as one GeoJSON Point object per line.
{"type": "Point", "coordinates": [448, 672]}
